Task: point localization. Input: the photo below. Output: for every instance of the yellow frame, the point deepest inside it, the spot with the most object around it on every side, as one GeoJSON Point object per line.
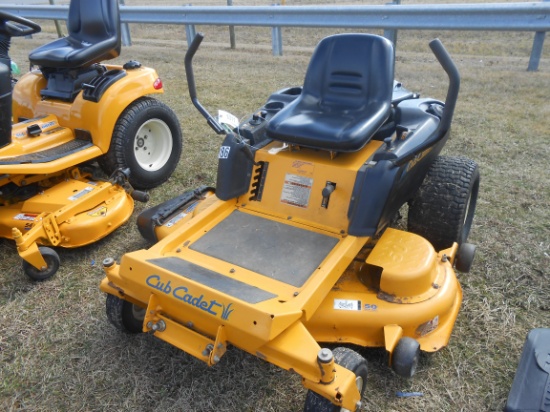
{"type": "Point", "coordinates": [418, 294]}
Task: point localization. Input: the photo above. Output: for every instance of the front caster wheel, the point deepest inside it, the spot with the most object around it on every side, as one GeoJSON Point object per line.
{"type": "Point", "coordinates": [465, 257]}
{"type": "Point", "coordinates": [52, 265]}
{"type": "Point", "coordinates": [405, 357]}
{"type": "Point", "coordinates": [124, 315]}
{"type": "Point", "coordinates": [351, 360]}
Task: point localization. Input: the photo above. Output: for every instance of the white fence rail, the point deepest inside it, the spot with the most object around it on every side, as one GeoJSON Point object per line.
{"type": "Point", "coordinates": [531, 16]}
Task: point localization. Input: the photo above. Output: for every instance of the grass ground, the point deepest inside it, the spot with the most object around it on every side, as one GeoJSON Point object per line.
{"type": "Point", "coordinates": [59, 353]}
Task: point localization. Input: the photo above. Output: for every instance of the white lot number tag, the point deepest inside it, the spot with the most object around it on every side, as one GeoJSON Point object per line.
{"type": "Point", "coordinates": [347, 304]}
{"type": "Point", "coordinates": [227, 120]}
{"type": "Point", "coordinates": [296, 190]}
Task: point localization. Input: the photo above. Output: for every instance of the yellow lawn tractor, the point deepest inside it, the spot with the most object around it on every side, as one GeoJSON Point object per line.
{"type": "Point", "coordinates": [295, 245]}
{"type": "Point", "coordinates": [65, 120]}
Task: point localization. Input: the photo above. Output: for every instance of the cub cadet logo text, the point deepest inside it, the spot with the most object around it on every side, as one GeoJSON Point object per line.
{"type": "Point", "coordinates": [182, 293]}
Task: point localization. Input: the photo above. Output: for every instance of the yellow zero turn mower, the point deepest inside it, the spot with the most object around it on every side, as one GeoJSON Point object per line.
{"type": "Point", "coordinates": [294, 247]}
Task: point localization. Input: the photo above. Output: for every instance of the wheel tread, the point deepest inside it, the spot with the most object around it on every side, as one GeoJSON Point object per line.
{"type": "Point", "coordinates": [122, 143]}
{"type": "Point", "coordinates": [437, 212]}
{"type": "Point", "coordinates": [119, 313]}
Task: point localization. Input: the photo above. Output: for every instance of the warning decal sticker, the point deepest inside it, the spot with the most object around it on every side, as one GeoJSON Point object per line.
{"type": "Point", "coordinates": [296, 190]}
{"type": "Point", "coordinates": [428, 327]}
{"type": "Point", "coordinates": [83, 192]}
{"type": "Point", "coordinates": [25, 216]}
{"type": "Point", "coordinates": [99, 212]}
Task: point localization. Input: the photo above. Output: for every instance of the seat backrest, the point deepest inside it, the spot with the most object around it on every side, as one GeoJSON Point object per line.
{"type": "Point", "coordinates": [94, 36]}
{"type": "Point", "coordinates": [349, 71]}
{"type": "Point", "coordinates": [346, 95]}
{"type": "Point", "coordinates": [95, 21]}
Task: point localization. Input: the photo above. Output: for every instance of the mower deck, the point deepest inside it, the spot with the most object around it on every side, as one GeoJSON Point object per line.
{"type": "Point", "coordinates": [74, 212]}
{"type": "Point", "coordinates": [277, 296]}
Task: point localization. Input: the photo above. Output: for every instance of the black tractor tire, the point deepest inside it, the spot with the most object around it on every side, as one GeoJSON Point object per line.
{"type": "Point", "coordinates": [442, 210]}
{"type": "Point", "coordinates": [405, 357]}
{"type": "Point", "coordinates": [124, 315]}
{"type": "Point", "coordinates": [52, 261]}
{"type": "Point", "coordinates": [147, 140]}
{"type": "Point", "coordinates": [351, 360]}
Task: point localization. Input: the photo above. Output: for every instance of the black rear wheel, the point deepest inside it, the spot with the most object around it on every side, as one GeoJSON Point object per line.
{"type": "Point", "coordinates": [442, 210]}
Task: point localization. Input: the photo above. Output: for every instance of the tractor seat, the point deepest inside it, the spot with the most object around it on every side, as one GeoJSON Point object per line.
{"type": "Point", "coordinates": [94, 35]}
{"type": "Point", "coordinates": [346, 95]}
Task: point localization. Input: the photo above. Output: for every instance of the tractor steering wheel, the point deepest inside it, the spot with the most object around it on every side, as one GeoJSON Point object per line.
{"type": "Point", "coordinates": [12, 25]}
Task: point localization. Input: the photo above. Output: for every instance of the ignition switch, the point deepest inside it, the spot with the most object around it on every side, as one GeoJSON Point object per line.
{"type": "Point", "coordinates": [327, 191]}
{"type": "Point", "coordinates": [256, 119]}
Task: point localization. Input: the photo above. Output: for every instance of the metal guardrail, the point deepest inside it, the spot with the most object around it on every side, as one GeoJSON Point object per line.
{"type": "Point", "coordinates": [532, 16]}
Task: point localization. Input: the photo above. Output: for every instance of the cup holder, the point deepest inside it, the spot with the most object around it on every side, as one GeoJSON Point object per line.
{"type": "Point", "coordinates": [274, 106]}
{"type": "Point", "coordinates": [293, 91]}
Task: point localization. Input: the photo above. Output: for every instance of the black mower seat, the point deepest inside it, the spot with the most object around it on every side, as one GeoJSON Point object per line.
{"type": "Point", "coordinates": [94, 35]}
{"type": "Point", "coordinates": [346, 95]}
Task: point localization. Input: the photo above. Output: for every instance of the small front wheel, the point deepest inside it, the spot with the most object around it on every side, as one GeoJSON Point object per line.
{"type": "Point", "coordinates": [124, 315]}
{"type": "Point", "coordinates": [405, 357]}
{"type": "Point", "coordinates": [465, 257]}
{"type": "Point", "coordinates": [351, 360]}
{"type": "Point", "coordinates": [52, 265]}
{"type": "Point", "coordinates": [147, 140]}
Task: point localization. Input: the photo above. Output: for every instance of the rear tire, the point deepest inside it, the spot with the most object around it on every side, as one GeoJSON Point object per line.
{"type": "Point", "coordinates": [147, 140]}
{"type": "Point", "coordinates": [123, 315]}
{"type": "Point", "coordinates": [442, 210]}
{"type": "Point", "coordinates": [351, 360]}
